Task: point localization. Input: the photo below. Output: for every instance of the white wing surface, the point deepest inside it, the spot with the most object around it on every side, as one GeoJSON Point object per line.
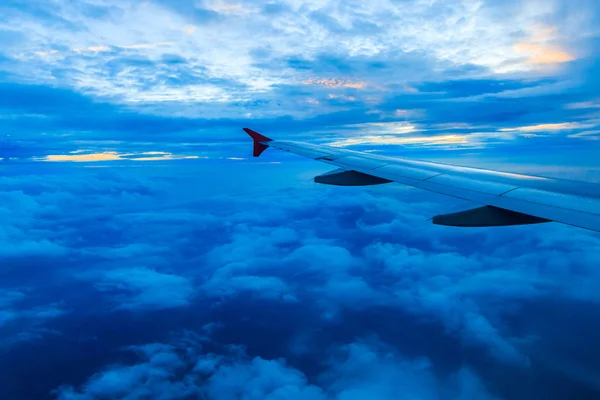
{"type": "Point", "coordinates": [501, 198]}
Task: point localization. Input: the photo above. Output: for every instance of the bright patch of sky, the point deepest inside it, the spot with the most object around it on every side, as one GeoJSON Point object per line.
{"type": "Point", "coordinates": [308, 61]}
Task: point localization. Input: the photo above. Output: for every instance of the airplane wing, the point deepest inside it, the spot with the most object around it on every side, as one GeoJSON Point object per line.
{"type": "Point", "coordinates": [501, 198]}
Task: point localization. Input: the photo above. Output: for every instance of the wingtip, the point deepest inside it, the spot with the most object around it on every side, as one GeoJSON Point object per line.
{"type": "Point", "coordinates": [259, 140]}
{"type": "Point", "coordinates": [257, 137]}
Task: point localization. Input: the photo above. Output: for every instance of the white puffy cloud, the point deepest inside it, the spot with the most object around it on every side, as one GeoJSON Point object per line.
{"type": "Point", "coordinates": [369, 257]}
{"type": "Point", "coordinates": [154, 377]}
{"type": "Point", "coordinates": [22, 322]}
{"type": "Point", "coordinates": [320, 257]}
{"type": "Point", "coordinates": [370, 370]}
{"type": "Point", "coordinates": [143, 289]}
{"type": "Point", "coordinates": [353, 371]}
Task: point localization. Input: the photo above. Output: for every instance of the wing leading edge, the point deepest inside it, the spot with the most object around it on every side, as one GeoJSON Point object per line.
{"type": "Point", "coordinates": [502, 198]}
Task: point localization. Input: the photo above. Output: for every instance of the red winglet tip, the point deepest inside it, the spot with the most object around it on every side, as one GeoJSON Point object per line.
{"type": "Point", "coordinates": [258, 149]}
{"type": "Point", "coordinates": [258, 139]}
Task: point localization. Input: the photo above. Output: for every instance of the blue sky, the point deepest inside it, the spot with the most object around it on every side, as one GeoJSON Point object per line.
{"type": "Point", "coordinates": [146, 255]}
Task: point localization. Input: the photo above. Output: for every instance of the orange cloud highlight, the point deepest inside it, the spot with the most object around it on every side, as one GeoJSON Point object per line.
{"type": "Point", "coordinates": [106, 156]}
{"type": "Point", "coordinates": [542, 54]}
{"type": "Point", "coordinates": [114, 156]}
{"type": "Point", "coordinates": [540, 48]}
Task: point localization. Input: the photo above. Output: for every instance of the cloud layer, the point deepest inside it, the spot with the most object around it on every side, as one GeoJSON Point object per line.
{"type": "Point", "coordinates": [331, 280]}
{"type": "Point", "coordinates": [356, 370]}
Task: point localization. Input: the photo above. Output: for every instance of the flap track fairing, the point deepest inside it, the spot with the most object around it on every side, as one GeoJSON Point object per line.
{"type": "Point", "coordinates": [341, 177]}
{"type": "Point", "coordinates": [486, 216]}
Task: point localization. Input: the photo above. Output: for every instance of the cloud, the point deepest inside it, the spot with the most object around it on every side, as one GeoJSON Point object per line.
{"type": "Point", "coordinates": [282, 263]}
{"type": "Point", "coordinates": [143, 289]}
{"type": "Point", "coordinates": [24, 322]}
{"type": "Point", "coordinates": [146, 45]}
{"type": "Point", "coordinates": [267, 287]}
{"type": "Point", "coordinates": [435, 285]}
{"type": "Point", "coordinates": [335, 83]}
{"type": "Point", "coordinates": [96, 49]}
{"type": "Point", "coordinates": [261, 379]}
{"type": "Point", "coordinates": [7, 298]}
{"type": "Point", "coordinates": [257, 67]}
{"type": "Point", "coordinates": [584, 105]}
{"type": "Point", "coordinates": [46, 53]}
{"type": "Point", "coordinates": [114, 156]}
{"type": "Point", "coordinates": [354, 371]}
{"type": "Point", "coordinates": [106, 156]}
{"type": "Point", "coordinates": [344, 117]}
{"type": "Point", "coordinates": [587, 135]}
{"type": "Point", "coordinates": [383, 140]}
{"type": "Point", "coordinates": [538, 54]}
{"type": "Point", "coordinates": [539, 49]}
{"type": "Point", "coordinates": [372, 370]}
{"type": "Point", "coordinates": [154, 376]}
{"type": "Point", "coordinates": [142, 46]}
{"type": "Point", "coordinates": [164, 372]}
{"type": "Point", "coordinates": [545, 127]}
